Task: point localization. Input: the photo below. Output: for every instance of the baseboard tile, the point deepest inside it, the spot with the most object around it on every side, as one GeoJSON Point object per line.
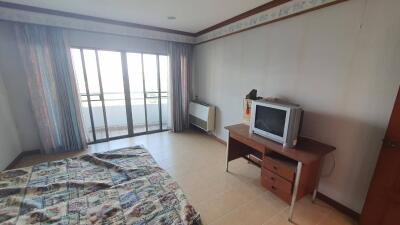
{"type": "Point", "coordinates": [20, 156]}
{"type": "Point", "coordinates": [217, 139]}
{"type": "Point", "coordinates": [208, 133]}
{"type": "Point", "coordinates": [338, 206]}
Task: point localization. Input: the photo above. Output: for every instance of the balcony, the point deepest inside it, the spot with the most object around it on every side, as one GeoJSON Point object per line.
{"type": "Point", "coordinates": [112, 118]}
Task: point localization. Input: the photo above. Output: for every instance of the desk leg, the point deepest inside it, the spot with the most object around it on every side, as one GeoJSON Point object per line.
{"type": "Point", "coordinates": [227, 154]}
{"type": "Point", "coordinates": [314, 196]}
{"type": "Point", "coordinates": [296, 187]}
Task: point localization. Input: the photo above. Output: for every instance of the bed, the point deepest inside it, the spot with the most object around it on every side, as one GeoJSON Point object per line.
{"type": "Point", "coordinates": [124, 186]}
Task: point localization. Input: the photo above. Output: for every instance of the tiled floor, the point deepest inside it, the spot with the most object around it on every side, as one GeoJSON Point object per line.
{"type": "Point", "coordinates": [197, 162]}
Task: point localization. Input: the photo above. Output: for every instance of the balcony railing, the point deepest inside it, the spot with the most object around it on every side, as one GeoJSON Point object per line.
{"type": "Point", "coordinates": [114, 112]}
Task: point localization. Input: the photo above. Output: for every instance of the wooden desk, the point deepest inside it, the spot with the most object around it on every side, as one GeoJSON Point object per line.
{"type": "Point", "coordinates": [295, 171]}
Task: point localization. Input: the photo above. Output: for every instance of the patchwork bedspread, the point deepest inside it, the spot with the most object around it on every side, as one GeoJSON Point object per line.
{"type": "Point", "coordinates": [124, 186]}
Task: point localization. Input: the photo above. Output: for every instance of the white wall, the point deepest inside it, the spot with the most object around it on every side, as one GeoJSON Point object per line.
{"type": "Point", "coordinates": [340, 63]}
{"type": "Point", "coordinates": [10, 146]}
{"type": "Point", "coordinates": [17, 87]}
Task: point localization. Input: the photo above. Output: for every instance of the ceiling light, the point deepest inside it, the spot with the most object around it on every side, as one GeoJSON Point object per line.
{"type": "Point", "coordinates": [171, 17]}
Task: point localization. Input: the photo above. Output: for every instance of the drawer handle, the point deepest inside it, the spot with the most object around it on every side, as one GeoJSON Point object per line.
{"type": "Point", "coordinates": [273, 188]}
{"type": "Point", "coordinates": [272, 178]}
{"type": "Point", "coordinates": [275, 168]}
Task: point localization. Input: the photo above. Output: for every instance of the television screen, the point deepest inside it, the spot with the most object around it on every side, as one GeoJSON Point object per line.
{"type": "Point", "coordinates": [270, 120]}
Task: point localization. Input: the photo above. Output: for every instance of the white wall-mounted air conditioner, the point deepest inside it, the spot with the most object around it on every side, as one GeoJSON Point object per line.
{"type": "Point", "coordinates": [202, 115]}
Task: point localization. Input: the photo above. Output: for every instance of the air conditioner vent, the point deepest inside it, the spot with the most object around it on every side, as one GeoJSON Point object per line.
{"type": "Point", "coordinates": [202, 115]}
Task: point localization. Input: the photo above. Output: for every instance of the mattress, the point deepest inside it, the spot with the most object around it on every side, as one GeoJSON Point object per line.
{"type": "Point", "coordinates": [124, 186]}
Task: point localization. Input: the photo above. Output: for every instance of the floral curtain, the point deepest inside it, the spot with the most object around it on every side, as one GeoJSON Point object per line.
{"type": "Point", "coordinates": [52, 87]}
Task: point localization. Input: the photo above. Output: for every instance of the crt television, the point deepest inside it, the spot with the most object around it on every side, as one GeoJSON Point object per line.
{"type": "Point", "coordinates": [279, 122]}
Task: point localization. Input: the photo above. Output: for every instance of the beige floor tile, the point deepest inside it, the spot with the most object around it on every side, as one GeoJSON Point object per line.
{"type": "Point", "coordinates": [212, 209]}
{"type": "Point", "coordinates": [279, 219]}
{"type": "Point", "coordinates": [337, 218]}
{"type": "Point", "coordinates": [253, 213]}
{"type": "Point", "coordinates": [197, 163]}
{"type": "Point", "coordinates": [305, 213]}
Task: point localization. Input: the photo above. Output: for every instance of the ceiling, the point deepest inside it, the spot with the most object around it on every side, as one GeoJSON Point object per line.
{"type": "Point", "coordinates": [191, 15]}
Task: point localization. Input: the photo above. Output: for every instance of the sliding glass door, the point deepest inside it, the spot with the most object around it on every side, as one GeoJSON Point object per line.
{"type": "Point", "coordinates": [122, 93]}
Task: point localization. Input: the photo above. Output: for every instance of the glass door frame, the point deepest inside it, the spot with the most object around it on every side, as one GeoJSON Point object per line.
{"type": "Point", "coordinates": [128, 102]}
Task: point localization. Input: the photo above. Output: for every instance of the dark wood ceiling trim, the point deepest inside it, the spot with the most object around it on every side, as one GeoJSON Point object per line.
{"type": "Point", "coordinates": [273, 21]}
{"type": "Point", "coordinates": [251, 12]}
{"type": "Point", "coordinates": [91, 18]}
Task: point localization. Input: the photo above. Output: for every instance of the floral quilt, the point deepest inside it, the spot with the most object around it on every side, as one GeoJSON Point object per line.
{"type": "Point", "coordinates": [124, 186]}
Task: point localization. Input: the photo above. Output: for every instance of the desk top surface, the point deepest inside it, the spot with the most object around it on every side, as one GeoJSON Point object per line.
{"type": "Point", "coordinates": [306, 150]}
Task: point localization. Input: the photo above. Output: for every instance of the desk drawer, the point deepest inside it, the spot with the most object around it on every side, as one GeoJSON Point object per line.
{"type": "Point", "coordinates": [279, 167]}
{"type": "Point", "coordinates": [271, 179]}
{"type": "Point", "coordinates": [278, 187]}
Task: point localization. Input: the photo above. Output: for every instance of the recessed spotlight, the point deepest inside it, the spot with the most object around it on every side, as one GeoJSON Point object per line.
{"type": "Point", "coordinates": [171, 17]}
